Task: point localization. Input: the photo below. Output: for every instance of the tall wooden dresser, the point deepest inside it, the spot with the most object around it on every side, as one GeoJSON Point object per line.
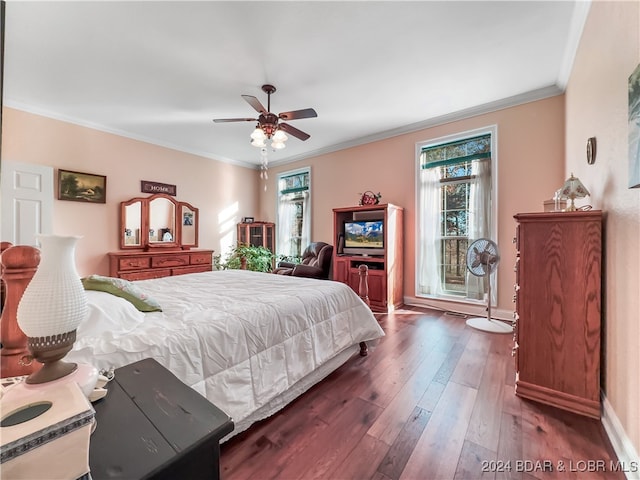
{"type": "Point", "coordinates": [558, 309]}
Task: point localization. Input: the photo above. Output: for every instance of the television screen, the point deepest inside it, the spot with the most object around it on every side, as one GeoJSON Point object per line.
{"type": "Point", "coordinates": [364, 234]}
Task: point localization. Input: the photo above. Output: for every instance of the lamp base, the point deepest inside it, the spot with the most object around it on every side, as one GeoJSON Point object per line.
{"type": "Point", "coordinates": [83, 374]}
{"type": "Point", "coordinates": [51, 371]}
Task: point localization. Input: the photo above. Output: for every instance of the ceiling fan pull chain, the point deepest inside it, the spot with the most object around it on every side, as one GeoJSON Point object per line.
{"type": "Point", "coordinates": [264, 164]}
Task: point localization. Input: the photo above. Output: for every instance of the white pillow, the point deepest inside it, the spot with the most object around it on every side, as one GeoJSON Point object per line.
{"type": "Point", "coordinates": [108, 313]}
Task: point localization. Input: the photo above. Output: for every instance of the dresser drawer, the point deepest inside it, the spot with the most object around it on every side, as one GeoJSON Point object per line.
{"type": "Point", "coordinates": [169, 261]}
{"type": "Point", "coordinates": [146, 274]}
{"type": "Point", "coordinates": [134, 263]}
{"type": "Point", "coordinates": [200, 258]}
{"type": "Point", "coordinates": [191, 269]}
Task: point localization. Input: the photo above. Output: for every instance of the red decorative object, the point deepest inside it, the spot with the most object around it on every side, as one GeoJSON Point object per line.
{"type": "Point", "coordinates": [370, 198]}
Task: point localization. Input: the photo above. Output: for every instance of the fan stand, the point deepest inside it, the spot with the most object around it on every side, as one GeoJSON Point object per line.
{"type": "Point", "coordinates": [488, 324]}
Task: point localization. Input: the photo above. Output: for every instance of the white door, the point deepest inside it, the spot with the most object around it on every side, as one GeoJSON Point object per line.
{"type": "Point", "coordinates": [26, 198]}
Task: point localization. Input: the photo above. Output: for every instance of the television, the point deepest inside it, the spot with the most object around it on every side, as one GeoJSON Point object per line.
{"type": "Point", "coordinates": [363, 237]}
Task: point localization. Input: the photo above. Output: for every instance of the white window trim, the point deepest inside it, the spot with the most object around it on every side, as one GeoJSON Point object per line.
{"type": "Point", "coordinates": [493, 131]}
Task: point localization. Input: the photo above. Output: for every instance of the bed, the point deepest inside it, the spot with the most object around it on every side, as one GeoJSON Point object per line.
{"type": "Point", "coordinates": [249, 342]}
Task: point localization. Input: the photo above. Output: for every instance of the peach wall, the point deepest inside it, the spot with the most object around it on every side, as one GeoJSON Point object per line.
{"type": "Point", "coordinates": [597, 105]}
{"type": "Point", "coordinates": [224, 193]}
{"type": "Point", "coordinates": [530, 169]}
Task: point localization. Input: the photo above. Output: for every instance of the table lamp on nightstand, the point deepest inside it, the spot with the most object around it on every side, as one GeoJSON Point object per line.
{"type": "Point", "coordinates": [52, 306]}
{"type": "Point", "coordinates": [572, 189]}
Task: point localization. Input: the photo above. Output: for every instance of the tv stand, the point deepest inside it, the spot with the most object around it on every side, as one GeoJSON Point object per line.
{"type": "Point", "coordinates": [385, 271]}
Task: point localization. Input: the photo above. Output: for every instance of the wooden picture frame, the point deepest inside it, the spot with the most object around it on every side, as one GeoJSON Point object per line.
{"type": "Point", "coordinates": [82, 187]}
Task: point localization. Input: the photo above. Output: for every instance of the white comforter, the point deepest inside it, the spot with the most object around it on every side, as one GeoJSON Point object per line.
{"type": "Point", "coordinates": [250, 342]}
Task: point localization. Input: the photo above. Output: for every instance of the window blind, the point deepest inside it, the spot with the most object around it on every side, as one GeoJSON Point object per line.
{"type": "Point", "coordinates": [298, 182]}
{"type": "Point", "coordinates": [475, 148]}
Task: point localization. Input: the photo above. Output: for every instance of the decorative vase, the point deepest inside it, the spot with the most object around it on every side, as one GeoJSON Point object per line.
{"type": "Point", "coordinates": [52, 306]}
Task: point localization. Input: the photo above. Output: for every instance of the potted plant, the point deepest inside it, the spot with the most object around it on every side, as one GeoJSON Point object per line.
{"type": "Point", "coordinates": [258, 258]}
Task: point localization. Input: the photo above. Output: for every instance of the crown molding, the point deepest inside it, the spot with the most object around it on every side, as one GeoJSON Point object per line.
{"type": "Point", "coordinates": [531, 96]}
{"type": "Point", "coordinates": [121, 133]}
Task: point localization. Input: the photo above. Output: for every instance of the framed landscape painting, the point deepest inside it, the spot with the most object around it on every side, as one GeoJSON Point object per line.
{"type": "Point", "coordinates": [82, 187]}
{"type": "Point", "coordinates": [634, 129]}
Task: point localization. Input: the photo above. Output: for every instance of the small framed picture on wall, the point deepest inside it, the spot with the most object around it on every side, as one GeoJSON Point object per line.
{"type": "Point", "coordinates": [82, 187]}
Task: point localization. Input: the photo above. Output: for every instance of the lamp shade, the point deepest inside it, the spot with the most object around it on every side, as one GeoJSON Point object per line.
{"type": "Point", "coordinates": [54, 302]}
{"type": "Point", "coordinates": [280, 136]}
{"type": "Point", "coordinates": [572, 189]}
{"type": "Point", "coordinates": [258, 134]}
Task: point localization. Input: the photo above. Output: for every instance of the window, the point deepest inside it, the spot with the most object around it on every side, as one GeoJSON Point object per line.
{"type": "Point", "coordinates": [294, 213]}
{"type": "Point", "coordinates": [455, 208]}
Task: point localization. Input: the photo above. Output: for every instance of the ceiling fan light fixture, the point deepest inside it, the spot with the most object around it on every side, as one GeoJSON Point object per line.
{"type": "Point", "coordinates": [268, 126]}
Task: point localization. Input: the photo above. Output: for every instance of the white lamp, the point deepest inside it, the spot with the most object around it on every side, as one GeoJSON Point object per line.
{"type": "Point", "coordinates": [572, 189]}
{"type": "Point", "coordinates": [50, 310]}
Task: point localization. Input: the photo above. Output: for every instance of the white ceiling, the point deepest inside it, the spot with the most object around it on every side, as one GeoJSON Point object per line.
{"type": "Point", "coordinates": [161, 71]}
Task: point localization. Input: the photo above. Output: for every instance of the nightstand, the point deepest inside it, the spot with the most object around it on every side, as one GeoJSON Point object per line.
{"type": "Point", "coordinates": [152, 426]}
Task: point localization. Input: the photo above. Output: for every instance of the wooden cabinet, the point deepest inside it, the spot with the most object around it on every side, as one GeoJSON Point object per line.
{"type": "Point", "coordinates": [558, 309]}
{"type": "Point", "coordinates": [144, 265]}
{"type": "Point", "coordinates": [258, 234]}
{"type": "Point", "coordinates": [385, 266]}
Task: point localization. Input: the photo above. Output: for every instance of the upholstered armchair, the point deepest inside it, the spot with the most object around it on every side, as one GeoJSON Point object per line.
{"type": "Point", "coordinates": [315, 263]}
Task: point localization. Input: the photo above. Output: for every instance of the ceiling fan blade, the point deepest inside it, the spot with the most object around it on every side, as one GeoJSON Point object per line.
{"type": "Point", "coordinates": [295, 114]}
{"type": "Point", "coordinates": [299, 134]}
{"type": "Point", "coordinates": [255, 103]}
{"type": "Point", "coordinates": [224, 120]}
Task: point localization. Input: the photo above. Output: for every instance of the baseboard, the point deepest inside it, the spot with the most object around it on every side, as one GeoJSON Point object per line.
{"type": "Point", "coordinates": [628, 458]}
{"type": "Point", "coordinates": [464, 308]}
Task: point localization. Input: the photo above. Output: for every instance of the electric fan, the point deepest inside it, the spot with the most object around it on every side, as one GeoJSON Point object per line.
{"type": "Point", "coordinates": [482, 261]}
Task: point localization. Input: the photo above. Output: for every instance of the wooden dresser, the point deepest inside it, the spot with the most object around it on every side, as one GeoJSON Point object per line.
{"type": "Point", "coordinates": [132, 265]}
{"type": "Point", "coordinates": [558, 309]}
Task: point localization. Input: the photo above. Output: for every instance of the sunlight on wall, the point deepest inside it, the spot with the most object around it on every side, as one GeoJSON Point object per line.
{"type": "Point", "coordinates": [227, 220]}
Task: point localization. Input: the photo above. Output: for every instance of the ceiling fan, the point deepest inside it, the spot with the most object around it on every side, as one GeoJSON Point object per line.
{"type": "Point", "coordinates": [269, 124]}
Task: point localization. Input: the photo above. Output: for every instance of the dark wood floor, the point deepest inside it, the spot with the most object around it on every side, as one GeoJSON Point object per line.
{"type": "Point", "coordinates": [434, 400]}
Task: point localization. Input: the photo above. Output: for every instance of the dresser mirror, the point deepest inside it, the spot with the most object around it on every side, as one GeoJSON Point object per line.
{"type": "Point", "coordinates": [158, 221]}
{"type": "Point", "coordinates": [162, 221]}
{"type": "Point", "coordinates": [132, 224]}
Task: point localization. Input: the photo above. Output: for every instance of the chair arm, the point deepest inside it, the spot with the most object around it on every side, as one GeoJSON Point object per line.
{"type": "Point", "coordinates": [302, 270]}
{"type": "Point", "coordinates": [286, 264]}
